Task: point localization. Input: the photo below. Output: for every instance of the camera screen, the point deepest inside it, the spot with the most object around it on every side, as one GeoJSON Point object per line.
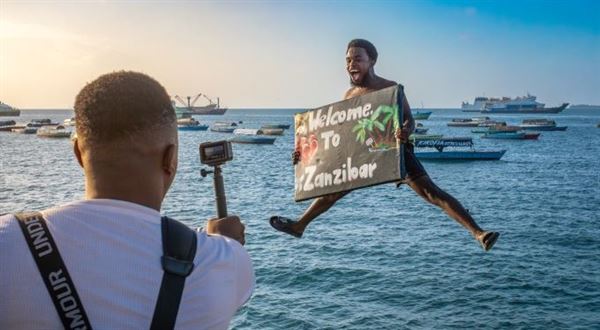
{"type": "Point", "coordinates": [214, 152]}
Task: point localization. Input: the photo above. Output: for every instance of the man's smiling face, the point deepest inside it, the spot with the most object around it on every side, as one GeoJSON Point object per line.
{"type": "Point", "coordinates": [358, 65]}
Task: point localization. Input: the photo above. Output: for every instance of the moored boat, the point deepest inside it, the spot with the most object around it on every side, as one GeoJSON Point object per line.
{"type": "Point", "coordinates": [222, 129]}
{"type": "Point", "coordinates": [467, 122]}
{"type": "Point", "coordinates": [251, 136]}
{"type": "Point", "coordinates": [505, 135]}
{"type": "Point", "coordinates": [541, 125]}
{"type": "Point", "coordinates": [416, 137]}
{"type": "Point", "coordinates": [272, 131]}
{"type": "Point", "coordinates": [282, 126]}
{"type": "Point", "coordinates": [190, 124]}
{"type": "Point", "coordinates": [421, 115]}
{"type": "Point", "coordinates": [69, 121]}
{"type": "Point", "coordinates": [532, 135]}
{"type": "Point", "coordinates": [42, 122]}
{"type": "Point", "coordinates": [226, 123]}
{"type": "Point", "coordinates": [7, 125]}
{"type": "Point", "coordinates": [454, 155]}
{"type": "Point", "coordinates": [27, 129]}
{"type": "Point", "coordinates": [421, 130]}
{"type": "Point", "coordinates": [57, 131]}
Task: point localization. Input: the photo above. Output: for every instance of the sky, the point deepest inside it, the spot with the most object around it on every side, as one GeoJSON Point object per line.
{"type": "Point", "coordinates": [290, 54]}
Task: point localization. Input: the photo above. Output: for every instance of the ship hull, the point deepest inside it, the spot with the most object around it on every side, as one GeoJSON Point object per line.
{"type": "Point", "coordinates": [533, 111]}
{"type": "Point", "coordinates": [10, 113]}
{"type": "Point", "coordinates": [201, 111]}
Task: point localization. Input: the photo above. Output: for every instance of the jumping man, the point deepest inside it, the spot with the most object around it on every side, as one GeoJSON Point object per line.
{"type": "Point", "coordinates": [361, 57]}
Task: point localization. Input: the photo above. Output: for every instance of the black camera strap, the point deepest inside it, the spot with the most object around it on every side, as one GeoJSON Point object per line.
{"type": "Point", "coordinates": [179, 249]}
{"type": "Point", "coordinates": [53, 270]}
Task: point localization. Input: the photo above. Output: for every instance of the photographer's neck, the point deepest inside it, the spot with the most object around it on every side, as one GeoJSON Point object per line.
{"type": "Point", "coordinates": [133, 181]}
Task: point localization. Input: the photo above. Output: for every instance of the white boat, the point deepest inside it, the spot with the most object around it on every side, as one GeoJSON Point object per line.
{"type": "Point", "coordinates": [28, 129]}
{"type": "Point", "coordinates": [190, 124]}
{"type": "Point", "coordinates": [69, 121]}
{"type": "Point", "coordinates": [467, 122]}
{"type": "Point", "coordinates": [251, 136]}
{"type": "Point", "coordinates": [520, 104]}
{"type": "Point", "coordinates": [541, 125]}
{"type": "Point", "coordinates": [272, 131]}
{"type": "Point", "coordinates": [42, 122]}
{"type": "Point", "coordinates": [7, 110]}
{"type": "Point", "coordinates": [58, 131]}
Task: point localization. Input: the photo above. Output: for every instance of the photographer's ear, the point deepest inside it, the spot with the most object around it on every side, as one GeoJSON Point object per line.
{"type": "Point", "coordinates": [169, 162]}
{"type": "Point", "coordinates": [76, 151]}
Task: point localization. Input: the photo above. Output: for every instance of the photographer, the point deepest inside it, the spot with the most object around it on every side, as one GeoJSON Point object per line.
{"type": "Point", "coordinates": [111, 242]}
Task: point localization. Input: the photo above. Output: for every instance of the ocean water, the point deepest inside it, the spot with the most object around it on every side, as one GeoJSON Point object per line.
{"type": "Point", "coordinates": [383, 258]}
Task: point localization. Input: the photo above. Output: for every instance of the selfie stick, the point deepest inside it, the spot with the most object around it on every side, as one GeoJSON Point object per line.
{"type": "Point", "coordinates": [216, 154]}
{"type": "Point", "coordinates": [219, 190]}
{"type": "Point", "coordinates": [220, 193]}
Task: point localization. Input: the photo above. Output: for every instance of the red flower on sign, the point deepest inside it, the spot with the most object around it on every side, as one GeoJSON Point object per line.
{"type": "Point", "coordinates": [308, 147]}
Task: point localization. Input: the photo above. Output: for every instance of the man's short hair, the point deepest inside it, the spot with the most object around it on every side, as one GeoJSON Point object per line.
{"type": "Point", "coordinates": [366, 45]}
{"type": "Point", "coordinates": [121, 104]}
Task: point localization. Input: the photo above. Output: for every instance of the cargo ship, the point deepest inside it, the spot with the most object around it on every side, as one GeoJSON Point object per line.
{"type": "Point", "coordinates": [188, 108]}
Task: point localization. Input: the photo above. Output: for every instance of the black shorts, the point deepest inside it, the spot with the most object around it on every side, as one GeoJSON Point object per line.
{"type": "Point", "coordinates": [414, 168]}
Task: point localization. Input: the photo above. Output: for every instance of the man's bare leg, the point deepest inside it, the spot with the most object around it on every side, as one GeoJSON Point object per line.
{"type": "Point", "coordinates": [316, 208]}
{"type": "Point", "coordinates": [425, 188]}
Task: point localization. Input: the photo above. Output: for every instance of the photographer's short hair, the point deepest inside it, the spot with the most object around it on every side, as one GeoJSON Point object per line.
{"type": "Point", "coordinates": [121, 104]}
{"type": "Point", "coordinates": [366, 45]}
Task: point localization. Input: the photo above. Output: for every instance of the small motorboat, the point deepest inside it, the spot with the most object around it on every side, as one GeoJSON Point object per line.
{"type": "Point", "coordinates": [454, 155]}
{"type": "Point", "coordinates": [417, 137]}
{"type": "Point", "coordinates": [226, 123]}
{"type": "Point", "coordinates": [9, 125]}
{"type": "Point", "coordinates": [282, 126]}
{"type": "Point", "coordinates": [272, 131]}
{"type": "Point", "coordinates": [532, 135]}
{"type": "Point", "coordinates": [251, 136]}
{"type": "Point", "coordinates": [190, 124]}
{"type": "Point", "coordinates": [57, 131]}
{"type": "Point", "coordinates": [467, 122]}
{"type": "Point", "coordinates": [222, 129]}
{"type": "Point", "coordinates": [42, 122]}
{"type": "Point", "coordinates": [541, 125]}
{"type": "Point", "coordinates": [505, 135]}
{"type": "Point", "coordinates": [24, 130]}
{"type": "Point", "coordinates": [69, 121]}
{"type": "Point", "coordinates": [421, 115]}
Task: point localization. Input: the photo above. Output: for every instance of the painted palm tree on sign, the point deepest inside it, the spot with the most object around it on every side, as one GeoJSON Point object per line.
{"type": "Point", "coordinates": [378, 134]}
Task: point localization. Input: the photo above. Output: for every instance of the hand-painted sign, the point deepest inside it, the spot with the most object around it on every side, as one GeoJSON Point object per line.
{"type": "Point", "coordinates": [349, 144]}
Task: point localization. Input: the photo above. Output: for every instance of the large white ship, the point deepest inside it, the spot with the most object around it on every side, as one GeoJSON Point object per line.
{"type": "Point", "coordinates": [186, 109]}
{"type": "Point", "coordinates": [7, 110]}
{"type": "Point", "coordinates": [520, 104]}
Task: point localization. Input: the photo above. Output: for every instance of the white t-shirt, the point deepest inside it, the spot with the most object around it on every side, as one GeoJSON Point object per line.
{"type": "Point", "coordinates": [112, 251]}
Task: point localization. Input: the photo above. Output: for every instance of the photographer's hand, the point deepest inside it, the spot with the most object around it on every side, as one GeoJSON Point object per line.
{"type": "Point", "coordinates": [230, 226]}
